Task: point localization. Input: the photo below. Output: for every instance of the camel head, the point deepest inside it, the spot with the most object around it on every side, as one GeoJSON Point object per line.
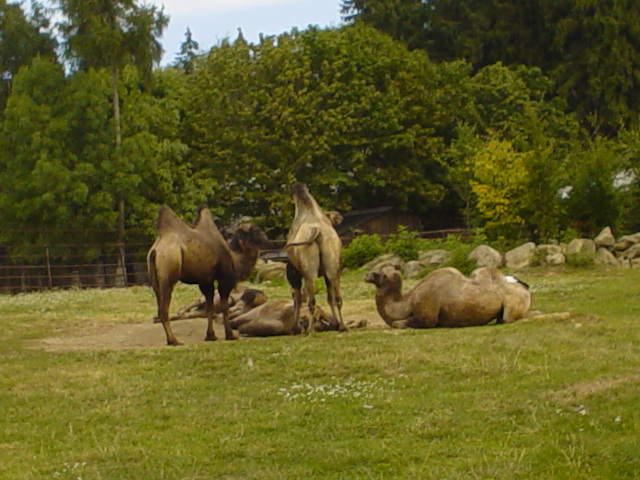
{"type": "Point", "coordinates": [247, 237]}
{"type": "Point", "coordinates": [386, 279]}
{"type": "Point", "coordinates": [334, 217]}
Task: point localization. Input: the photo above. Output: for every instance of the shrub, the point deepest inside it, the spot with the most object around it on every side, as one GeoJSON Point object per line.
{"type": "Point", "coordinates": [580, 260]}
{"type": "Point", "coordinates": [404, 243]}
{"type": "Point", "coordinates": [361, 250]}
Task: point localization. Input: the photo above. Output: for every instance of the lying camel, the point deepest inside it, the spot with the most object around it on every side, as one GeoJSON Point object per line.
{"type": "Point", "coordinates": [313, 249]}
{"type": "Point", "coordinates": [271, 318]}
{"type": "Point", "coordinates": [446, 298]}
{"type": "Point", "coordinates": [199, 255]}
{"type": "Point", "coordinates": [241, 300]}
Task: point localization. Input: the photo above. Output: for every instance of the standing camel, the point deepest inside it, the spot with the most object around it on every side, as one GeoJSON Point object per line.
{"type": "Point", "coordinates": [199, 255]}
{"type": "Point", "coordinates": [313, 249]}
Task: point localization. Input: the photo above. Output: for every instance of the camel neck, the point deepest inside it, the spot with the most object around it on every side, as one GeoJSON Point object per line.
{"type": "Point", "coordinates": [243, 263]}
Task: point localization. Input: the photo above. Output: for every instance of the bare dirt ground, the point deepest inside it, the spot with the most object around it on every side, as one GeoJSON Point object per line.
{"type": "Point", "coordinates": [122, 336]}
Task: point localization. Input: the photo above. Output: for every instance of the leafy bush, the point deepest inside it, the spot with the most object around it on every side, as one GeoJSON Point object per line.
{"type": "Point", "coordinates": [580, 260]}
{"type": "Point", "coordinates": [404, 243]}
{"type": "Point", "coordinates": [361, 250]}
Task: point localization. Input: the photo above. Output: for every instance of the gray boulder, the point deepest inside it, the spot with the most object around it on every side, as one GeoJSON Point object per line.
{"type": "Point", "coordinates": [270, 271]}
{"type": "Point", "coordinates": [554, 259]}
{"type": "Point", "coordinates": [435, 257]}
{"type": "Point", "coordinates": [549, 249]}
{"type": "Point", "coordinates": [390, 258]}
{"type": "Point", "coordinates": [486, 256]}
{"type": "Point", "coordinates": [412, 269]}
{"type": "Point", "coordinates": [605, 257]}
{"type": "Point", "coordinates": [521, 256]}
{"type": "Point", "coordinates": [584, 246]}
{"type": "Point", "coordinates": [626, 241]}
{"type": "Point", "coordinates": [605, 238]}
{"type": "Point", "coordinates": [632, 252]}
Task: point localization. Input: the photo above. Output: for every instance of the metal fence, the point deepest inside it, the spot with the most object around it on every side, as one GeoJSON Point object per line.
{"type": "Point", "coordinates": [42, 267]}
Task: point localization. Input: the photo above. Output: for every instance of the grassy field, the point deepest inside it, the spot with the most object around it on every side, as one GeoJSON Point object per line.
{"type": "Point", "coordinates": [555, 399]}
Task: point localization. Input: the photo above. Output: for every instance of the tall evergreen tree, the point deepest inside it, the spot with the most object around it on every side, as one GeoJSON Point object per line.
{"type": "Point", "coordinates": [189, 51]}
{"type": "Point", "coordinates": [22, 37]}
{"type": "Point", "coordinates": [111, 34]}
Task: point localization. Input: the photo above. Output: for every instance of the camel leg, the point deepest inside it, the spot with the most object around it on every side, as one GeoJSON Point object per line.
{"type": "Point", "coordinates": [163, 299]}
{"type": "Point", "coordinates": [335, 301]}
{"type": "Point", "coordinates": [207, 291]}
{"type": "Point", "coordinates": [310, 283]}
{"type": "Point", "coordinates": [294, 277]}
{"type": "Point", "coordinates": [224, 289]}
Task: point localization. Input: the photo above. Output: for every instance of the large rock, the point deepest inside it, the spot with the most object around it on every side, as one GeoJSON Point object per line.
{"type": "Point", "coordinates": [521, 256]}
{"type": "Point", "coordinates": [626, 241]}
{"type": "Point", "coordinates": [554, 259]}
{"type": "Point", "coordinates": [605, 238]}
{"type": "Point", "coordinates": [582, 246]}
{"type": "Point", "coordinates": [435, 257]}
{"type": "Point", "coordinates": [632, 252]}
{"type": "Point", "coordinates": [412, 269]}
{"type": "Point", "coordinates": [549, 249]}
{"type": "Point", "coordinates": [388, 258]}
{"type": "Point", "coordinates": [486, 256]}
{"type": "Point", "coordinates": [270, 271]}
{"type": "Point", "coordinates": [605, 257]}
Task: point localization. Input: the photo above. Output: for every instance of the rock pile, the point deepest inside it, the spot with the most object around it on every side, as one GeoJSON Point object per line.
{"type": "Point", "coordinates": [603, 249]}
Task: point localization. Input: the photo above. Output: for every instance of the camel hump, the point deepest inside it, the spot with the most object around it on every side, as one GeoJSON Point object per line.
{"type": "Point", "coordinates": [168, 220]}
{"type": "Point", "coordinates": [306, 235]}
{"type": "Point", "coordinates": [204, 222]}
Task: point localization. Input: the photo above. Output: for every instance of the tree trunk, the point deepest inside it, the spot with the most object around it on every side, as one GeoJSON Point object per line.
{"type": "Point", "coordinates": [118, 131]}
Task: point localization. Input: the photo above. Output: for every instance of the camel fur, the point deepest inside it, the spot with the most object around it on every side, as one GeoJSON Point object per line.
{"type": "Point", "coordinates": [199, 255]}
{"type": "Point", "coordinates": [446, 298]}
{"type": "Point", "coordinates": [270, 319]}
{"type": "Point", "coordinates": [241, 300]}
{"type": "Point", "coordinates": [313, 249]}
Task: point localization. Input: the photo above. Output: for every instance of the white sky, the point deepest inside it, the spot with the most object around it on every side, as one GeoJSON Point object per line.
{"type": "Point", "coordinates": [210, 21]}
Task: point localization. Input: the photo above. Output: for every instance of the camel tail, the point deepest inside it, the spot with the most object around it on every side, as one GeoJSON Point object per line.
{"type": "Point", "coordinates": [153, 272]}
{"type": "Point", "coordinates": [313, 237]}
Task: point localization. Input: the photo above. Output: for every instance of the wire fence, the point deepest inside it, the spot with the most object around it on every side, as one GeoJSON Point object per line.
{"type": "Point", "coordinates": [107, 265]}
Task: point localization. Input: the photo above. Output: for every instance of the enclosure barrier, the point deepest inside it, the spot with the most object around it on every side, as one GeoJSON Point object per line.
{"type": "Point", "coordinates": [44, 267]}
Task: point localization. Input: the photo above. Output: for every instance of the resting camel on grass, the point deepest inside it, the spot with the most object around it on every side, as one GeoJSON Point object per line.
{"type": "Point", "coordinates": [270, 318]}
{"type": "Point", "coordinates": [446, 298]}
{"type": "Point", "coordinates": [199, 255]}
{"type": "Point", "coordinates": [241, 300]}
{"type": "Point", "coordinates": [313, 249]}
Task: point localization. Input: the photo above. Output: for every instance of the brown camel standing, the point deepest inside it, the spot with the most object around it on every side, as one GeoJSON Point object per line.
{"type": "Point", "coordinates": [313, 249]}
{"type": "Point", "coordinates": [199, 255]}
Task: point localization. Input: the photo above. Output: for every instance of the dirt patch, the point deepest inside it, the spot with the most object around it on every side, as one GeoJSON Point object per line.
{"type": "Point", "coordinates": [580, 391]}
{"type": "Point", "coordinates": [123, 336]}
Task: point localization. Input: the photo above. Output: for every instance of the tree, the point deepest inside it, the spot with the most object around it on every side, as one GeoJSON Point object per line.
{"type": "Point", "coordinates": [362, 126]}
{"type": "Point", "coordinates": [111, 34]}
{"type": "Point", "coordinates": [22, 38]}
{"type": "Point", "coordinates": [189, 51]}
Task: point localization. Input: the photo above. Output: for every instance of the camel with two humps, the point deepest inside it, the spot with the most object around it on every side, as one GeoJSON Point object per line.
{"type": "Point", "coordinates": [446, 298]}
{"type": "Point", "coordinates": [199, 255]}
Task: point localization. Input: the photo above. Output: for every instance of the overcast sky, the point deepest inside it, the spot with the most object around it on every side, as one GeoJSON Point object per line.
{"type": "Point", "coordinates": [213, 20]}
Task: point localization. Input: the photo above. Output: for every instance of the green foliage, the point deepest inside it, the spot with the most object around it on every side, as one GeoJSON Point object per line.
{"type": "Point", "coordinates": [348, 111]}
{"type": "Point", "coordinates": [23, 37]}
{"type": "Point", "coordinates": [404, 243]}
{"type": "Point", "coordinates": [594, 200]}
{"type": "Point", "coordinates": [580, 260]}
{"type": "Point", "coordinates": [589, 49]}
{"type": "Point", "coordinates": [361, 249]}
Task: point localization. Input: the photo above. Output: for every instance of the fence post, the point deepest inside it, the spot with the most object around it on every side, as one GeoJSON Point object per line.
{"type": "Point", "coordinates": [48, 257]}
{"type": "Point", "coordinates": [123, 265]}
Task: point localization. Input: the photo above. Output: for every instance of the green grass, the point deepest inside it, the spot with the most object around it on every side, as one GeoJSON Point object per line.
{"type": "Point", "coordinates": [532, 400]}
